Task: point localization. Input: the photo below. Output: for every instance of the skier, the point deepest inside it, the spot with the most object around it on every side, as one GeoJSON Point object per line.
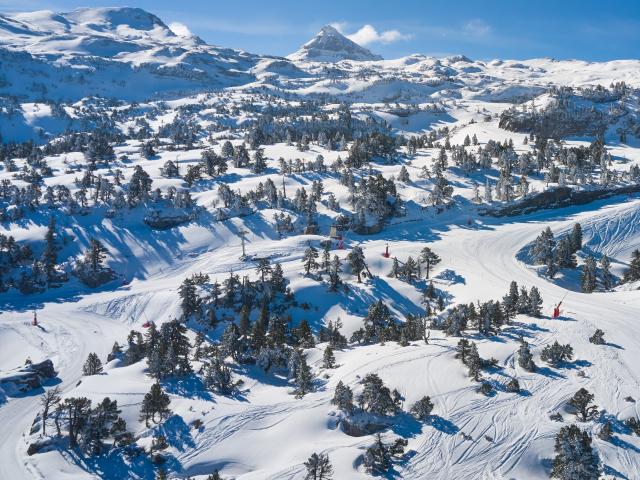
{"type": "Point", "coordinates": [34, 322]}
{"type": "Point", "coordinates": [386, 252]}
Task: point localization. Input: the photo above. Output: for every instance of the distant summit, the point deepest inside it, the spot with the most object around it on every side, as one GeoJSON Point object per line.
{"type": "Point", "coordinates": [329, 45]}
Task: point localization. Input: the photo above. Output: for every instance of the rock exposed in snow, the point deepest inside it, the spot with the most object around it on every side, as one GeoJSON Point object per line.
{"type": "Point", "coordinates": [26, 378]}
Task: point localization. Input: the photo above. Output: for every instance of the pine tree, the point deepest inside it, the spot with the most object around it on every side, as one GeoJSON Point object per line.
{"type": "Point", "coordinates": [76, 412]}
{"type": "Point", "coordinates": [263, 269]}
{"type": "Point", "coordinates": [403, 174]}
{"type": "Point", "coordinates": [598, 337]}
{"type": "Point", "coordinates": [190, 301]}
{"type": "Point", "coordinates": [334, 274]}
{"type": "Point", "coordinates": [95, 255]}
{"type": "Point", "coordinates": [565, 257]}
{"type": "Point", "coordinates": [50, 254]}
{"type": "Point", "coordinates": [309, 260]}
{"type": "Point", "coordinates": [357, 261]}
{"type": "Point", "coordinates": [50, 400]}
{"type": "Point", "coordinates": [523, 304]}
{"type": "Point", "coordinates": [535, 302]}
{"type": "Point", "coordinates": [328, 358]}
{"type": "Point", "coordinates": [278, 282]}
{"type": "Point", "coordinates": [542, 248]}
{"type": "Point", "coordinates": [510, 301]}
{"type": "Point", "coordinates": [378, 458]}
{"type": "Point", "coordinates": [92, 366]}
{"type": "Point", "coordinates": [139, 186]}
{"type": "Point", "coordinates": [576, 237]}
{"type": "Point", "coordinates": [555, 353]}
{"type": "Point", "coordinates": [326, 255]}
{"type": "Point", "coordinates": [343, 397]}
{"type": "Point", "coordinates": [581, 401]}
{"type": "Point", "coordinates": [318, 467]}
{"type": "Point", "coordinates": [422, 408]}
{"type": "Point", "coordinates": [156, 402]}
{"type": "Point", "coordinates": [396, 271]}
{"type": "Point", "coordinates": [474, 362]}
{"type": "Point", "coordinates": [227, 149]}
{"type": "Point", "coordinates": [513, 386]}
{"type": "Point", "coordinates": [632, 274]}
{"type": "Point", "coordinates": [218, 377]}
{"type": "Point", "coordinates": [259, 163]}
{"type": "Point", "coordinates": [605, 267]}
{"type": "Point", "coordinates": [525, 359]}
{"type": "Point", "coordinates": [304, 378]}
{"type": "Point", "coordinates": [429, 257]}
{"type": "Point", "coordinates": [575, 458]}
{"type": "Point", "coordinates": [589, 275]}
{"type": "Point", "coordinates": [376, 397]}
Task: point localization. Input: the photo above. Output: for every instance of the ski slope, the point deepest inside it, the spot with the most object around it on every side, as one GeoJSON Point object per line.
{"type": "Point", "coordinates": [269, 417]}
{"type": "Point", "coordinates": [59, 70]}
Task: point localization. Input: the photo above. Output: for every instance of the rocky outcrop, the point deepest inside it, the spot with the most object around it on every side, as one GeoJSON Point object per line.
{"type": "Point", "coordinates": [559, 197]}
{"type": "Point", "coordinates": [26, 378]}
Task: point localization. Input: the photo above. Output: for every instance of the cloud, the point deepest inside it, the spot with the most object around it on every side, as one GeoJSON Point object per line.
{"type": "Point", "coordinates": [180, 29]}
{"type": "Point", "coordinates": [476, 28]}
{"type": "Point", "coordinates": [368, 35]}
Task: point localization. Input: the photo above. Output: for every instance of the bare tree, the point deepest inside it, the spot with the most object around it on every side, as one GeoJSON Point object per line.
{"type": "Point", "coordinates": [49, 400]}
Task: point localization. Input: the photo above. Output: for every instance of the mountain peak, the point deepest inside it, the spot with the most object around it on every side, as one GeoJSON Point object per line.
{"type": "Point", "coordinates": [329, 45]}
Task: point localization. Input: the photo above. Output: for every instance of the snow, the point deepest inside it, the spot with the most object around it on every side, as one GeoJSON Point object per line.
{"type": "Point", "coordinates": [265, 432]}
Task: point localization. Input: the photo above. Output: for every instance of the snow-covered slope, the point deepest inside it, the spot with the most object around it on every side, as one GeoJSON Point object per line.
{"type": "Point", "coordinates": [112, 52]}
{"type": "Point", "coordinates": [239, 152]}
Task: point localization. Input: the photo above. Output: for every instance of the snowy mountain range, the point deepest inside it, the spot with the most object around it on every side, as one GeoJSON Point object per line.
{"type": "Point", "coordinates": [222, 265]}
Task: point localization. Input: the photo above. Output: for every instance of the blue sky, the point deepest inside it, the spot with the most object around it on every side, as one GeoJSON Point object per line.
{"type": "Point", "coordinates": [588, 29]}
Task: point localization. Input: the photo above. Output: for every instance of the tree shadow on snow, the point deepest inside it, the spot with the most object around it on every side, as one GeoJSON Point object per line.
{"type": "Point", "coordinates": [547, 372]}
{"type": "Point", "coordinates": [608, 470]}
{"type": "Point", "coordinates": [443, 425]}
{"type": "Point", "coordinates": [177, 433]}
{"type": "Point", "coordinates": [190, 386]}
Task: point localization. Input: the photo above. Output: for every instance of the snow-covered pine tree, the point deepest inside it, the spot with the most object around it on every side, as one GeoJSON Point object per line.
{"type": "Point", "coordinates": [589, 280]}
{"type": "Point", "coordinates": [328, 358]}
{"type": "Point", "coordinates": [510, 301]}
{"type": "Point", "coordinates": [309, 260]}
{"type": "Point", "coordinates": [598, 337]}
{"type": "Point", "coordinates": [156, 402]}
{"type": "Point", "coordinates": [525, 358]}
{"type": "Point", "coordinates": [318, 467]}
{"type": "Point", "coordinates": [376, 397]}
{"type": "Point", "coordinates": [343, 397]}
{"type": "Point", "coordinates": [303, 378]}
{"type": "Point", "coordinates": [422, 409]}
{"type": "Point", "coordinates": [429, 257]}
{"type": "Point", "coordinates": [556, 353]}
{"type": "Point", "coordinates": [632, 274]}
{"type": "Point", "coordinates": [575, 458]}
{"type": "Point", "coordinates": [576, 237]}
{"type": "Point", "coordinates": [581, 402]}
{"type": "Point", "coordinates": [606, 277]}
{"type": "Point", "coordinates": [535, 302]}
{"type": "Point", "coordinates": [357, 261]}
{"type": "Point", "coordinates": [92, 366]}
